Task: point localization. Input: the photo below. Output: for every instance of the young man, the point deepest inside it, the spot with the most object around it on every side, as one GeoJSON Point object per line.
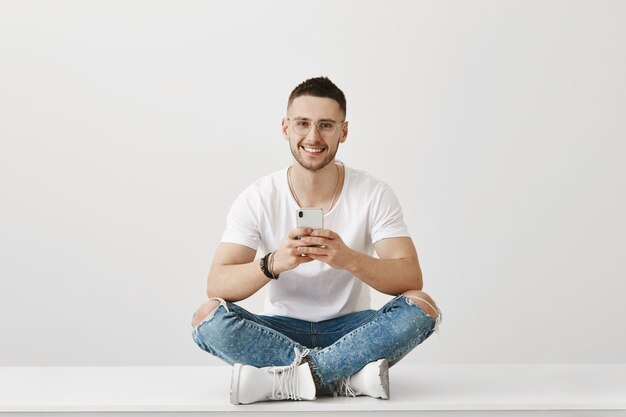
{"type": "Point", "coordinates": [316, 334]}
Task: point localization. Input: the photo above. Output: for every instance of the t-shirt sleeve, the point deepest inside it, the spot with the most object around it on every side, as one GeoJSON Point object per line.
{"type": "Point", "coordinates": [386, 216]}
{"type": "Point", "coordinates": [242, 226]}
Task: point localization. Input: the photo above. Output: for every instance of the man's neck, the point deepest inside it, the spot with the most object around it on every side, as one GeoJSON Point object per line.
{"type": "Point", "coordinates": [316, 188]}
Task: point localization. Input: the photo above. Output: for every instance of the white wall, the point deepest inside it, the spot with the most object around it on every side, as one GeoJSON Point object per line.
{"type": "Point", "coordinates": [128, 127]}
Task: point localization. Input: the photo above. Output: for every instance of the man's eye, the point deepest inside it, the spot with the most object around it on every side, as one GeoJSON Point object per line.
{"type": "Point", "coordinates": [302, 123]}
{"type": "Point", "coordinates": [326, 125]}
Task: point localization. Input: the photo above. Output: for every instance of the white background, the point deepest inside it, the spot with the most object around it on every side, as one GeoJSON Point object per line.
{"type": "Point", "coordinates": [127, 128]}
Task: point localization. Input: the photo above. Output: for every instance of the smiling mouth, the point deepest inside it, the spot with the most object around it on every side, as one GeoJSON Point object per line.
{"type": "Point", "coordinates": [312, 149]}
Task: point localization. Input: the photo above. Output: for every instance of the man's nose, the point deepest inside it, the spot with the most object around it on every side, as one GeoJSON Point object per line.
{"type": "Point", "coordinates": [314, 133]}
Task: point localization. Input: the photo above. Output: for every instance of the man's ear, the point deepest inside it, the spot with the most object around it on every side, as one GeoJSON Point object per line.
{"type": "Point", "coordinates": [285, 128]}
{"type": "Point", "coordinates": [344, 132]}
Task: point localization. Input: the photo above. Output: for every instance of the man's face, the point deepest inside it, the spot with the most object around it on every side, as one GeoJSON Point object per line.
{"type": "Point", "coordinates": [314, 151]}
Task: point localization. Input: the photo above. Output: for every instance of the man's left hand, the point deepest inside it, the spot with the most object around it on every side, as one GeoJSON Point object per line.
{"type": "Point", "coordinates": [331, 249]}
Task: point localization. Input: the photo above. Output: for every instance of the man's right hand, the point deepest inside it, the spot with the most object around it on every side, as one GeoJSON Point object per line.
{"type": "Point", "coordinates": [286, 256]}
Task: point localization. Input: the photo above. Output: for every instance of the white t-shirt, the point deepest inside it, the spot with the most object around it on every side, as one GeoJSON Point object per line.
{"type": "Point", "coordinates": [366, 211]}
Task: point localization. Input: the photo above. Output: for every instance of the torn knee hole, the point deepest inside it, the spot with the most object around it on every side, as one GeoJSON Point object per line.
{"type": "Point", "coordinates": [428, 308]}
{"type": "Point", "coordinates": [200, 317]}
{"type": "Point", "coordinates": [205, 312]}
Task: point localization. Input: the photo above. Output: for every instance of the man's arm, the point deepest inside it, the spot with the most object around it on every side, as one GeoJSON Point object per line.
{"type": "Point", "coordinates": [396, 271]}
{"type": "Point", "coordinates": [235, 274]}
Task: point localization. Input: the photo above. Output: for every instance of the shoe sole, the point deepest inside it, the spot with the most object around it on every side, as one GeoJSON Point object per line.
{"type": "Point", "coordinates": [383, 372]}
{"type": "Point", "coordinates": [234, 384]}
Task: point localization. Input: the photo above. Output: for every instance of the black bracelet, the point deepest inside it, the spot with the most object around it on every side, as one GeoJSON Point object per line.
{"type": "Point", "coordinates": [265, 266]}
{"type": "Point", "coordinates": [271, 267]}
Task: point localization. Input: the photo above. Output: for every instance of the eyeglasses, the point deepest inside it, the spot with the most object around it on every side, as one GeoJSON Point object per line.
{"type": "Point", "coordinates": [326, 128]}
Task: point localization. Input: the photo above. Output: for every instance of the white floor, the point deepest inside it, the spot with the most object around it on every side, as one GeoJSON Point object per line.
{"type": "Point", "coordinates": [429, 390]}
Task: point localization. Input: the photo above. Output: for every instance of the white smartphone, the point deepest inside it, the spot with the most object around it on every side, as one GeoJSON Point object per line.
{"type": "Point", "coordinates": [310, 217]}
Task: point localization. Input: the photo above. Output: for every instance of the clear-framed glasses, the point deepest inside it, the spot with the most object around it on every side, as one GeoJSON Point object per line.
{"type": "Point", "coordinates": [326, 128]}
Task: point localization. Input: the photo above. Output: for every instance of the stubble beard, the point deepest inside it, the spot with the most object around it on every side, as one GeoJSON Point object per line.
{"type": "Point", "coordinates": [330, 157]}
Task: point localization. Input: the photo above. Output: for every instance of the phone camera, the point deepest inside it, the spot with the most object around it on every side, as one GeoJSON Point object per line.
{"type": "Point", "coordinates": [300, 214]}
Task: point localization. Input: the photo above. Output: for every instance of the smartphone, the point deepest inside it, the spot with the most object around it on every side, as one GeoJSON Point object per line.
{"type": "Point", "coordinates": [310, 217]}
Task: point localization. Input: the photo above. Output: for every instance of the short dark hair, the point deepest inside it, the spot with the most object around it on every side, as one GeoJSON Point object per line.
{"type": "Point", "coordinates": [319, 87]}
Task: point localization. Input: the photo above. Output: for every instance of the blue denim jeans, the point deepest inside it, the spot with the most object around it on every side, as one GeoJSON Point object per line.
{"type": "Point", "coordinates": [338, 347]}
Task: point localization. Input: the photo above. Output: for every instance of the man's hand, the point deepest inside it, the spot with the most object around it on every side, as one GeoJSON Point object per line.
{"type": "Point", "coordinates": [331, 250]}
{"type": "Point", "coordinates": [287, 256]}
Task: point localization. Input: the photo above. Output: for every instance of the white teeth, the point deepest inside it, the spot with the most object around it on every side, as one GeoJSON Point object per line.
{"type": "Point", "coordinates": [312, 150]}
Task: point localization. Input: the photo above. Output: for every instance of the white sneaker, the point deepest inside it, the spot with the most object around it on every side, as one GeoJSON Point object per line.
{"type": "Point", "coordinates": [250, 384]}
{"type": "Point", "coordinates": [371, 380]}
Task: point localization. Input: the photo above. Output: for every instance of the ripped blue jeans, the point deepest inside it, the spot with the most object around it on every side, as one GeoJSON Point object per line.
{"type": "Point", "coordinates": [338, 347]}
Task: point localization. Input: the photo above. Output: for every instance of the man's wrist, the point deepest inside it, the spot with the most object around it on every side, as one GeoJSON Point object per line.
{"type": "Point", "coordinates": [354, 264]}
{"type": "Point", "coordinates": [271, 266]}
{"type": "Point", "coordinates": [265, 264]}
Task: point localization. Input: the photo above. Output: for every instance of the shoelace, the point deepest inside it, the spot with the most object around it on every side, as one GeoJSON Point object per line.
{"type": "Point", "coordinates": [345, 389]}
{"type": "Point", "coordinates": [285, 381]}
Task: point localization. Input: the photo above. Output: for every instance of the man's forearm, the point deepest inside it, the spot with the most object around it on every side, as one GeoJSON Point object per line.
{"type": "Point", "coordinates": [389, 276]}
{"type": "Point", "coordinates": [235, 282]}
